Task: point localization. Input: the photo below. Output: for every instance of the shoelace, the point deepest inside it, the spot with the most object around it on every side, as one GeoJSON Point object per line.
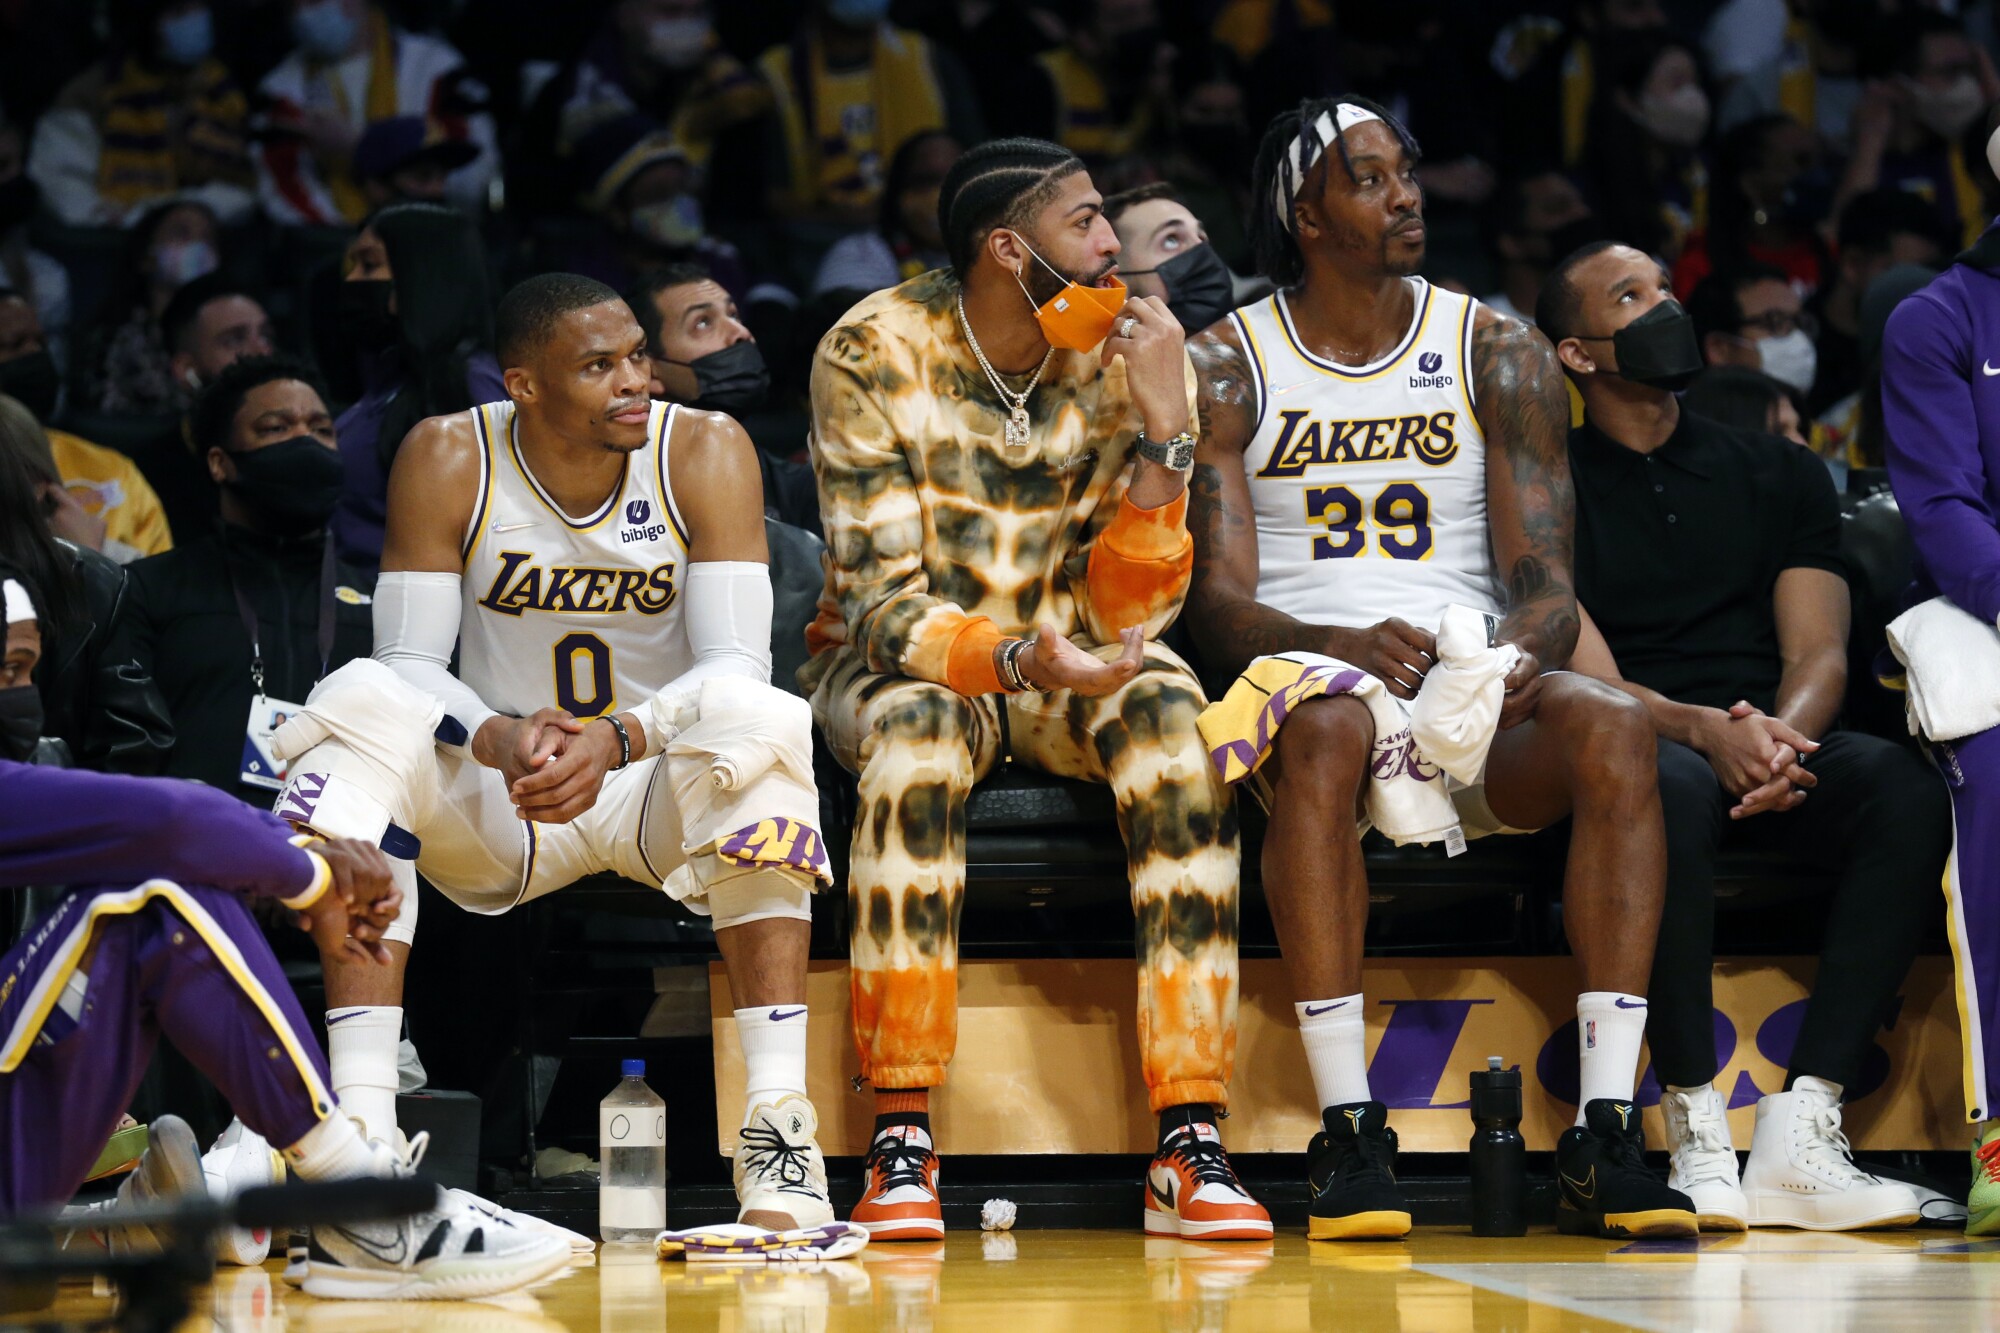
{"type": "Point", "coordinates": [1988, 1155]}
{"type": "Point", "coordinates": [1205, 1161]}
{"type": "Point", "coordinates": [769, 1153]}
{"type": "Point", "coordinates": [1828, 1149]}
{"type": "Point", "coordinates": [1704, 1129]}
{"type": "Point", "coordinates": [413, 1155]}
{"type": "Point", "coordinates": [901, 1162]}
{"type": "Point", "coordinates": [1369, 1157]}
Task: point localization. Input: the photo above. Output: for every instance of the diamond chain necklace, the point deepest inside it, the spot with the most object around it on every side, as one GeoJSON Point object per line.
{"type": "Point", "coordinates": [1017, 416]}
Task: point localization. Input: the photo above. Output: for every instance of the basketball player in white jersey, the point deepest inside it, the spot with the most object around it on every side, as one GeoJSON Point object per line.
{"type": "Point", "coordinates": [595, 557]}
{"type": "Point", "coordinates": [1374, 450]}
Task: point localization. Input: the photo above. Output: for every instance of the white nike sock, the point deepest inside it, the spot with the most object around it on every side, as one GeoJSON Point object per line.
{"type": "Point", "coordinates": [1609, 1027]}
{"type": "Point", "coordinates": [361, 1049]}
{"type": "Point", "coordinates": [1336, 1049]}
{"type": "Point", "coordinates": [773, 1038]}
{"type": "Point", "coordinates": [335, 1150]}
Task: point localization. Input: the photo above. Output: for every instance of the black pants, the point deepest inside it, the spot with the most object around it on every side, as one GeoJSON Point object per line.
{"type": "Point", "coordinates": [1879, 820]}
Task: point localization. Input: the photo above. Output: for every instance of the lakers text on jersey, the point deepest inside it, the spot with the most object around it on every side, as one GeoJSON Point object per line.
{"type": "Point", "coordinates": [580, 613]}
{"type": "Point", "coordinates": [1369, 482]}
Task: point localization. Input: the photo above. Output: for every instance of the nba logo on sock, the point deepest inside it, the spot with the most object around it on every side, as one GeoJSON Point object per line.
{"type": "Point", "coordinates": [1590, 1034]}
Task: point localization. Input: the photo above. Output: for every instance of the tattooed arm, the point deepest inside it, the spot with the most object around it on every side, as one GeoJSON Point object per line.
{"type": "Point", "coordinates": [1229, 623]}
{"type": "Point", "coordinates": [1523, 409]}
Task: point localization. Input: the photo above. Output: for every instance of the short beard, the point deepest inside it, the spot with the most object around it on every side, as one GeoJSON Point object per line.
{"type": "Point", "coordinates": [1044, 286]}
{"type": "Point", "coordinates": [1400, 268]}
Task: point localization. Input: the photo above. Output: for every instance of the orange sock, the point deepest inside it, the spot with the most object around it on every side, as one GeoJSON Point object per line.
{"type": "Point", "coordinates": [898, 1101]}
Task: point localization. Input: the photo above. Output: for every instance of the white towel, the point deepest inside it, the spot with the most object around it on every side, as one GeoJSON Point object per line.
{"type": "Point", "coordinates": [1406, 796]}
{"type": "Point", "coordinates": [742, 778]}
{"type": "Point", "coordinates": [1953, 661]}
{"type": "Point", "coordinates": [1457, 709]}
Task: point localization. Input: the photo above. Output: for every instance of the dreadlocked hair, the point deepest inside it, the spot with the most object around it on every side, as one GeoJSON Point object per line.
{"type": "Point", "coordinates": [1276, 180]}
{"type": "Point", "coordinates": [1002, 183]}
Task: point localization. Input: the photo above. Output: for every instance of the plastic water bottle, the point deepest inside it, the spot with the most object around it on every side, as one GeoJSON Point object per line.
{"type": "Point", "coordinates": [1499, 1153]}
{"type": "Point", "coordinates": [632, 1159]}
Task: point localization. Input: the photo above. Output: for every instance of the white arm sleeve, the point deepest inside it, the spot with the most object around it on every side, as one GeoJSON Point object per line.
{"type": "Point", "coordinates": [728, 605]}
{"type": "Point", "coordinates": [416, 627]}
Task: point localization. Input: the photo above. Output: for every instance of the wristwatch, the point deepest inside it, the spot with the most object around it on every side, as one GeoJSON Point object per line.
{"type": "Point", "coordinates": [1177, 453]}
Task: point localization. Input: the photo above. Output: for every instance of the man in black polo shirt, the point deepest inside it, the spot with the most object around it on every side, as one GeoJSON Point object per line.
{"type": "Point", "coordinates": [1708, 565]}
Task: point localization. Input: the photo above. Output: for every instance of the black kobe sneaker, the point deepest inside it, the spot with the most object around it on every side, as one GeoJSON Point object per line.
{"type": "Point", "coordinates": [1351, 1167]}
{"type": "Point", "coordinates": [1605, 1187]}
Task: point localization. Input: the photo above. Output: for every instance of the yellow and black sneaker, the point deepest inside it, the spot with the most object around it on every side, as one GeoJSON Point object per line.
{"type": "Point", "coordinates": [1606, 1189]}
{"type": "Point", "coordinates": [1351, 1167]}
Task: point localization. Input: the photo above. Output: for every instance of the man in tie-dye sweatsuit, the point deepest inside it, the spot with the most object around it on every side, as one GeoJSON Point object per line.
{"type": "Point", "coordinates": [950, 547]}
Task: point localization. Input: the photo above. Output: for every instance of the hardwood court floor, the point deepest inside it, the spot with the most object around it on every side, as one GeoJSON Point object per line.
{"type": "Point", "coordinates": [1108, 1282]}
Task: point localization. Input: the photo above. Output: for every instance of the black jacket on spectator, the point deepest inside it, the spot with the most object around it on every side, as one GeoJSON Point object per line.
{"type": "Point", "coordinates": [187, 628]}
{"type": "Point", "coordinates": [98, 696]}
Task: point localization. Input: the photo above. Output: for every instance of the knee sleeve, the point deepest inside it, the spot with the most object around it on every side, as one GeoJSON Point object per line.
{"type": "Point", "coordinates": [742, 894]}
{"type": "Point", "coordinates": [403, 930]}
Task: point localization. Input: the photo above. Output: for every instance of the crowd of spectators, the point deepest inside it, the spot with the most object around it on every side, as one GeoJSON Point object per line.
{"type": "Point", "coordinates": [345, 185]}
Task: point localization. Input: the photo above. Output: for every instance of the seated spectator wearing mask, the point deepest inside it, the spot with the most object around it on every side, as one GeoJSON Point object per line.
{"type": "Point", "coordinates": [107, 713]}
{"type": "Point", "coordinates": [159, 118]}
{"type": "Point", "coordinates": [850, 89]}
{"type": "Point", "coordinates": [1532, 221]}
{"type": "Point", "coordinates": [1909, 128]}
{"type": "Point", "coordinates": [353, 66]}
{"type": "Point", "coordinates": [645, 194]}
{"type": "Point", "coordinates": [1877, 231]}
{"type": "Point", "coordinates": [98, 484]}
{"type": "Point", "coordinates": [1164, 252]}
{"type": "Point", "coordinates": [1709, 575]}
{"type": "Point", "coordinates": [408, 159]}
{"type": "Point", "coordinates": [1752, 316]}
{"type": "Point", "coordinates": [37, 276]}
{"type": "Point", "coordinates": [414, 311]}
{"type": "Point", "coordinates": [704, 356]}
{"type": "Point", "coordinates": [907, 239]}
{"type": "Point", "coordinates": [259, 593]}
{"type": "Point", "coordinates": [1649, 118]}
{"type": "Point", "coordinates": [658, 59]}
{"type": "Point", "coordinates": [1103, 94]}
{"type": "Point", "coordinates": [128, 368]}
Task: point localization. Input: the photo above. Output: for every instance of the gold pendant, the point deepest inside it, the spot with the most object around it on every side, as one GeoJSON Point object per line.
{"type": "Point", "coordinates": [1017, 428]}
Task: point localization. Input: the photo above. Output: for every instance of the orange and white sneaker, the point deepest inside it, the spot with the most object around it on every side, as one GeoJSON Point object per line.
{"type": "Point", "coordinates": [900, 1199]}
{"type": "Point", "coordinates": [1193, 1191]}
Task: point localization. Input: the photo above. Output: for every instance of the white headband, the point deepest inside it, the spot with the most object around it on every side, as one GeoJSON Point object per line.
{"type": "Point", "coordinates": [1299, 160]}
{"type": "Point", "coordinates": [19, 607]}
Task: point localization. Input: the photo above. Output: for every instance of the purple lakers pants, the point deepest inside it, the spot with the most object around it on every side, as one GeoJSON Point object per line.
{"type": "Point", "coordinates": [85, 995]}
{"type": "Point", "coordinates": [1971, 768]}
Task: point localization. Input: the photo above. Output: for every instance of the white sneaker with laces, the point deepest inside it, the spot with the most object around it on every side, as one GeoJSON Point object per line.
{"type": "Point", "coordinates": [1703, 1159]}
{"type": "Point", "coordinates": [450, 1252]}
{"type": "Point", "coordinates": [241, 1159]}
{"type": "Point", "coordinates": [578, 1244]}
{"type": "Point", "coordinates": [779, 1168]}
{"type": "Point", "coordinates": [1801, 1171]}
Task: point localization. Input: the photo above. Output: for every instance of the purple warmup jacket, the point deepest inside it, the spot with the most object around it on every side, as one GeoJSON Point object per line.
{"type": "Point", "coordinates": [1941, 405]}
{"type": "Point", "coordinates": [63, 826]}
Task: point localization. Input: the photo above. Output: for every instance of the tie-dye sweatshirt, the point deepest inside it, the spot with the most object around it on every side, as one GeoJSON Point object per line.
{"type": "Point", "coordinates": [943, 538]}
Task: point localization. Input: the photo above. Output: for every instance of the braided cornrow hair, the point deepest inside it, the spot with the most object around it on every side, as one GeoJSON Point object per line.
{"type": "Point", "coordinates": [1279, 174]}
{"type": "Point", "coordinates": [1001, 183]}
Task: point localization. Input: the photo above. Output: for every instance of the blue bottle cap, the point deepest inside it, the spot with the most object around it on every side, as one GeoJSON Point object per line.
{"type": "Point", "coordinates": [632, 1068]}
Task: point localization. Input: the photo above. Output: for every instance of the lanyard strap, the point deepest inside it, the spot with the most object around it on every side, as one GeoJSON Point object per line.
{"type": "Point", "coordinates": [326, 620]}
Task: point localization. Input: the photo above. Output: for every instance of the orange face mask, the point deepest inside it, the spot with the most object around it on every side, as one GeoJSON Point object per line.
{"type": "Point", "coordinates": [1077, 318]}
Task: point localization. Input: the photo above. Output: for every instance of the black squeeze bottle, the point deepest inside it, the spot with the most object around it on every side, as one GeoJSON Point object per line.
{"type": "Point", "coordinates": [1499, 1153]}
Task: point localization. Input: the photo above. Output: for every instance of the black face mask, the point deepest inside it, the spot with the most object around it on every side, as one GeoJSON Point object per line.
{"type": "Point", "coordinates": [20, 722]}
{"type": "Point", "coordinates": [33, 380]}
{"type": "Point", "coordinates": [1200, 289]}
{"type": "Point", "coordinates": [1658, 349]}
{"type": "Point", "coordinates": [362, 312]}
{"type": "Point", "coordinates": [293, 485]}
{"type": "Point", "coordinates": [17, 201]}
{"type": "Point", "coordinates": [734, 380]}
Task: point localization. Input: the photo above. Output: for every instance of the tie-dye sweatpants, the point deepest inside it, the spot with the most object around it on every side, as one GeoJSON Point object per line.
{"type": "Point", "coordinates": [918, 748]}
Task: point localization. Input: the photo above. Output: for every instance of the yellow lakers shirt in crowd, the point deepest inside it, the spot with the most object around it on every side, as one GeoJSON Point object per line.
{"type": "Point", "coordinates": [943, 538]}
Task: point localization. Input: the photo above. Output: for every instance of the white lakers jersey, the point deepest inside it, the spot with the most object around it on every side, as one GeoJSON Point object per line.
{"type": "Point", "coordinates": [579, 613]}
{"type": "Point", "coordinates": [1369, 482]}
